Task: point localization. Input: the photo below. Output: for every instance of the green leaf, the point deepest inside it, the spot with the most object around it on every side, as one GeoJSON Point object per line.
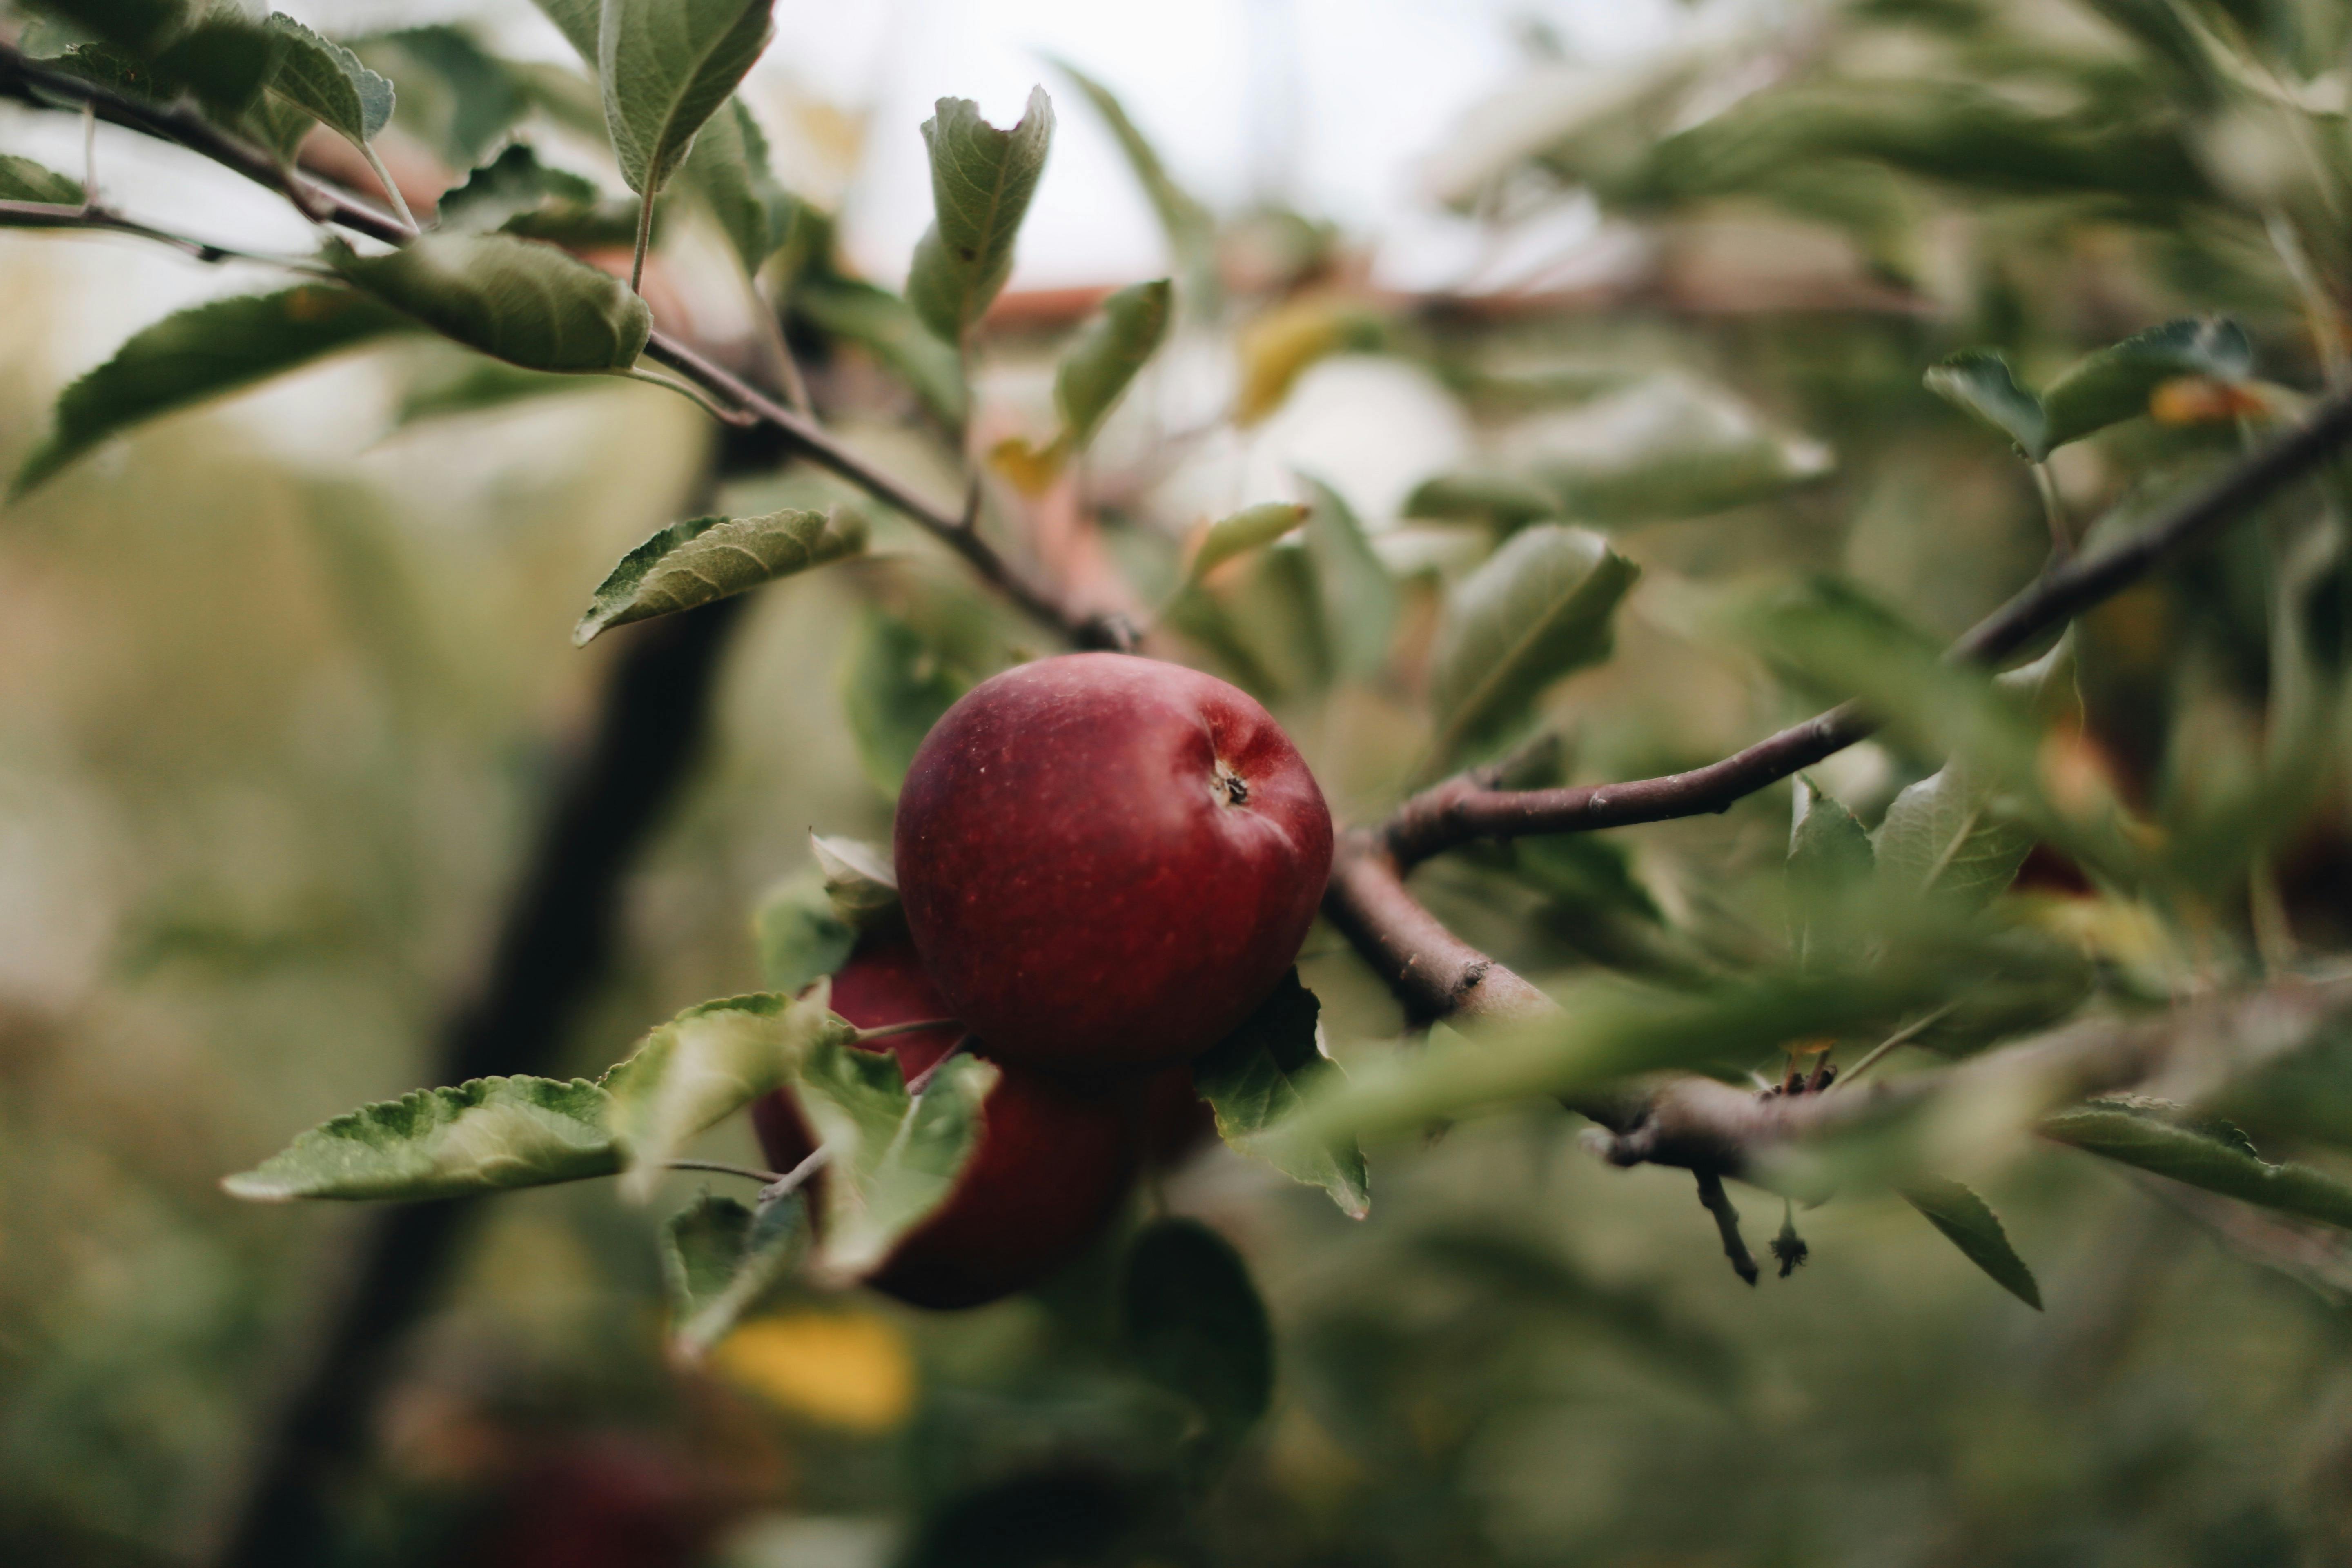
{"type": "Point", "coordinates": [2146, 1139]}
{"type": "Point", "coordinates": [667, 66]}
{"type": "Point", "coordinates": [894, 687]}
{"type": "Point", "coordinates": [800, 937]}
{"type": "Point", "coordinates": [1668, 446]}
{"type": "Point", "coordinates": [981, 180]}
{"type": "Point", "coordinates": [860, 883]}
{"type": "Point", "coordinates": [279, 125]}
{"type": "Point", "coordinates": [1583, 869]}
{"type": "Point", "coordinates": [888, 327]}
{"type": "Point", "coordinates": [1978, 381]}
{"type": "Point", "coordinates": [891, 1157]}
{"type": "Point", "coordinates": [473, 385]}
{"type": "Point", "coordinates": [326, 81]}
{"type": "Point", "coordinates": [1503, 500]}
{"type": "Point", "coordinates": [202, 353]}
{"type": "Point", "coordinates": [1830, 863]}
{"type": "Point", "coordinates": [512, 183]}
{"type": "Point", "coordinates": [223, 62]}
{"type": "Point", "coordinates": [1189, 228]}
{"type": "Point", "coordinates": [728, 166]}
{"type": "Point", "coordinates": [1107, 355]}
{"type": "Point", "coordinates": [1357, 598]}
{"type": "Point", "coordinates": [1251, 528]}
{"type": "Point", "coordinates": [516, 193]}
{"type": "Point", "coordinates": [1539, 608]}
{"type": "Point", "coordinates": [515, 299]}
{"type": "Point", "coordinates": [1194, 1324]}
{"type": "Point", "coordinates": [21, 180]}
{"type": "Point", "coordinates": [1943, 838]}
{"type": "Point", "coordinates": [455, 96]}
{"type": "Point", "coordinates": [138, 26]}
{"type": "Point", "coordinates": [1257, 1076]}
{"type": "Point", "coordinates": [1607, 1030]}
{"type": "Point", "coordinates": [1840, 643]}
{"type": "Point", "coordinates": [1541, 1276]}
{"type": "Point", "coordinates": [706, 558]}
{"type": "Point", "coordinates": [481, 1136]}
{"type": "Point", "coordinates": [578, 21]}
{"type": "Point", "coordinates": [719, 1257]}
{"type": "Point", "coordinates": [1972, 1225]}
{"type": "Point", "coordinates": [704, 1064]}
{"type": "Point", "coordinates": [2114, 383]}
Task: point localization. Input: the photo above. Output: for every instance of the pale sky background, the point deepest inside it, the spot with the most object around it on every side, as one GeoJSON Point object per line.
{"type": "Point", "coordinates": [1329, 104]}
{"type": "Point", "coordinates": [1332, 106]}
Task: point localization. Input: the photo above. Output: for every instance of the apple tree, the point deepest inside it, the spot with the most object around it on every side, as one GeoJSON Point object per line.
{"type": "Point", "coordinates": [1345, 835]}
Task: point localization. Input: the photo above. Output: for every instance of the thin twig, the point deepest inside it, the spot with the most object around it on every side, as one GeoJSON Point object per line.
{"type": "Point", "coordinates": [93, 217]}
{"type": "Point", "coordinates": [820, 447]}
{"type": "Point", "coordinates": [1727, 1224]}
{"type": "Point", "coordinates": [1460, 810]}
{"type": "Point", "coordinates": [26, 79]}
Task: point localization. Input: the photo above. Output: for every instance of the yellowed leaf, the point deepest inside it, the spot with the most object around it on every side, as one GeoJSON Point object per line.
{"type": "Point", "coordinates": [849, 1370]}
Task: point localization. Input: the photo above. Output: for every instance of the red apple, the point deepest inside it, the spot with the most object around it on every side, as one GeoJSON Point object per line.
{"type": "Point", "coordinates": [1052, 1163]}
{"type": "Point", "coordinates": [1107, 861]}
{"type": "Point", "coordinates": [1177, 1122]}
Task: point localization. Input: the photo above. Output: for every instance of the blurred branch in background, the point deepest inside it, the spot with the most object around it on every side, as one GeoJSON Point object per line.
{"type": "Point", "coordinates": [1468, 807]}
{"type": "Point", "coordinates": [554, 945]}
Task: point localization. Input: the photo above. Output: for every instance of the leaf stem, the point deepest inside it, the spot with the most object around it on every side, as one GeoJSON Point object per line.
{"type": "Point", "coordinates": [391, 186]}
{"type": "Point", "coordinates": [922, 1080]}
{"type": "Point", "coordinates": [792, 1181]}
{"type": "Point", "coordinates": [686, 389]}
{"type": "Point", "coordinates": [644, 237]}
{"type": "Point", "coordinates": [916, 1027]}
{"type": "Point", "coordinates": [2053, 511]}
{"type": "Point", "coordinates": [765, 1178]}
{"type": "Point", "coordinates": [769, 320]}
{"type": "Point", "coordinates": [1902, 1037]}
{"type": "Point", "coordinates": [2319, 311]}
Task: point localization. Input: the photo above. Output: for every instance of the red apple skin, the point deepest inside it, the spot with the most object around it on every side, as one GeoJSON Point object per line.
{"type": "Point", "coordinates": [1086, 886]}
{"type": "Point", "coordinates": [1177, 1122]}
{"type": "Point", "coordinates": [610, 1502]}
{"type": "Point", "coordinates": [1052, 1166]}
